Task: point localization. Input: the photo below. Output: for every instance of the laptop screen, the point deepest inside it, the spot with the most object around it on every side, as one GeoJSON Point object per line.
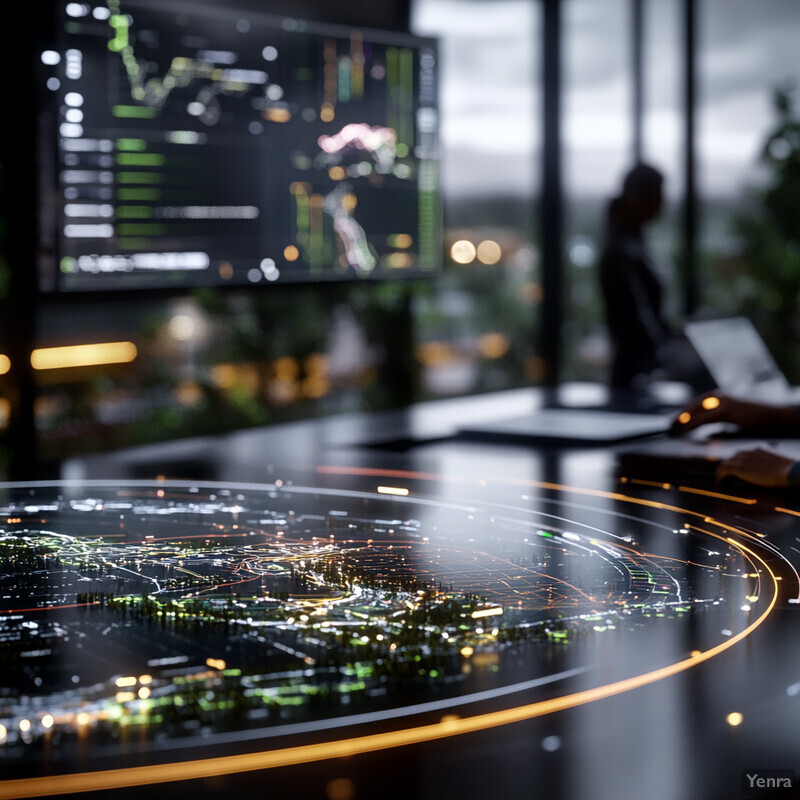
{"type": "Point", "coordinates": [737, 358]}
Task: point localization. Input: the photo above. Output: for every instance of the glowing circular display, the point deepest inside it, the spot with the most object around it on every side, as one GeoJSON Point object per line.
{"type": "Point", "coordinates": [167, 614]}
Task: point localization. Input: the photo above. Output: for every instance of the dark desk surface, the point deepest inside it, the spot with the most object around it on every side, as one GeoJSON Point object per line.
{"type": "Point", "coordinates": [445, 619]}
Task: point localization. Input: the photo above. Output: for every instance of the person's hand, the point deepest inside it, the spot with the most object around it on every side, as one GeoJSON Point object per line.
{"type": "Point", "coordinates": [748, 415]}
{"type": "Point", "coordinates": [760, 467]}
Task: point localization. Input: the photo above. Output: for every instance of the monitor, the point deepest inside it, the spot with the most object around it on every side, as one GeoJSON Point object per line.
{"type": "Point", "coordinates": [184, 145]}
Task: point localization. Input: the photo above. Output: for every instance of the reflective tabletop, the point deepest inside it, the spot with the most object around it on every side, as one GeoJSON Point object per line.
{"type": "Point", "coordinates": [370, 607]}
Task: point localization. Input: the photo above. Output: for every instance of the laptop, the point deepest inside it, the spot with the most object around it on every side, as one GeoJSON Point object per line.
{"type": "Point", "coordinates": [569, 426]}
{"type": "Point", "coordinates": [731, 350]}
{"type": "Point", "coordinates": [738, 360]}
{"type": "Point", "coordinates": [741, 365]}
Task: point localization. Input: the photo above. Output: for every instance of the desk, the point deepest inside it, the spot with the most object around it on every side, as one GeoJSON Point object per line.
{"type": "Point", "coordinates": [287, 612]}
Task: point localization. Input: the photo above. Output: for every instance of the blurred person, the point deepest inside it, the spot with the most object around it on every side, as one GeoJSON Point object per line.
{"type": "Point", "coordinates": [758, 466]}
{"type": "Point", "coordinates": [632, 291]}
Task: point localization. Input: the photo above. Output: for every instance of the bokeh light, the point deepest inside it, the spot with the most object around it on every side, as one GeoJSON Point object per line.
{"type": "Point", "coordinates": [463, 252]}
{"type": "Point", "coordinates": [489, 252]}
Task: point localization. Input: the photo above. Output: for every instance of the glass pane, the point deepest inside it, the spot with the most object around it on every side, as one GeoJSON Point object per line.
{"type": "Point", "coordinates": [476, 329]}
{"type": "Point", "coordinates": [663, 142]}
{"type": "Point", "coordinates": [597, 134]}
{"type": "Point", "coordinates": [750, 195]}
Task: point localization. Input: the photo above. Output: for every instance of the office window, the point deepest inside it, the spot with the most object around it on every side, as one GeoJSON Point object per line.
{"type": "Point", "coordinates": [748, 51]}
{"type": "Point", "coordinates": [477, 328]}
{"type": "Point", "coordinates": [597, 147]}
{"type": "Point", "coordinates": [663, 137]}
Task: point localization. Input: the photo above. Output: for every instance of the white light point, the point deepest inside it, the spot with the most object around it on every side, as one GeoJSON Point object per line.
{"type": "Point", "coordinates": [551, 743]}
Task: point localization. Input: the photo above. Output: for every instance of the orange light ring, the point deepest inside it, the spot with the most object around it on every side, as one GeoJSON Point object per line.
{"type": "Point", "coordinates": [248, 762]}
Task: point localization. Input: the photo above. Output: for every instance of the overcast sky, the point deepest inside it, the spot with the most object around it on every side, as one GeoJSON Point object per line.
{"type": "Point", "coordinates": [491, 99]}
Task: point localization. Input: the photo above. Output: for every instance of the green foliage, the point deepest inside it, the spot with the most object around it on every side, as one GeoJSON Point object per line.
{"type": "Point", "coordinates": [769, 230]}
